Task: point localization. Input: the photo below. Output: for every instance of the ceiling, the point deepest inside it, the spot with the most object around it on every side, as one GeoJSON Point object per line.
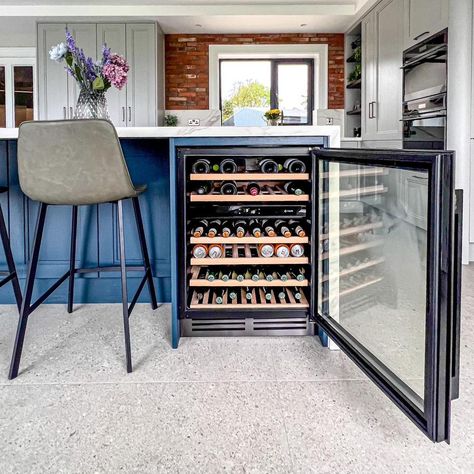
{"type": "Point", "coordinates": [203, 16]}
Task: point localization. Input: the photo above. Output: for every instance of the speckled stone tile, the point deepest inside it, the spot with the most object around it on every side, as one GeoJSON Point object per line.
{"type": "Point", "coordinates": [182, 427]}
{"type": "Point", "coordinates": [351, 427]}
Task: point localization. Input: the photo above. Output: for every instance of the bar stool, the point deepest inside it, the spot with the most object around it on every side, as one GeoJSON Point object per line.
{"type": "Point", "coordinates": [75, 163]}
{"type": "Point", "coordinates": [10, 274]}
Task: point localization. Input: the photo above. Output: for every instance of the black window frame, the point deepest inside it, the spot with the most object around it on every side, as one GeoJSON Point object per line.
{"type": "Point", "coordinates": [274, 63]}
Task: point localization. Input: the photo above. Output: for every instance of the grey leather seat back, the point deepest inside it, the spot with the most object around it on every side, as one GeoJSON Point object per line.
{"type": "Point", "coordinates": [72, 162]}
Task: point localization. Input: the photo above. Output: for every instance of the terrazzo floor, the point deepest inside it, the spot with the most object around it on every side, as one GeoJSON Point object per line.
{"type": "Point", "coordinates": [214, 405]}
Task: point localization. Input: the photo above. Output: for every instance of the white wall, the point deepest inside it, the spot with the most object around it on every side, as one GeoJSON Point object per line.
{"type": "Point", "coordinates": [17, 31]}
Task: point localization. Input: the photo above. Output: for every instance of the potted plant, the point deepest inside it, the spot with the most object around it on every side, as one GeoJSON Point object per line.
{"type": "Point", "coordinates": [94, 78]}
{"type": "Point", "coordinates": [273, 116]}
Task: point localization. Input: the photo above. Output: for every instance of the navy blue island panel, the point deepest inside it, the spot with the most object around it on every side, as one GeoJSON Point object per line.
{"type": "Point", "coordinates": [151, 161]}
{"type": "Point", "coordinates": [148, 162]}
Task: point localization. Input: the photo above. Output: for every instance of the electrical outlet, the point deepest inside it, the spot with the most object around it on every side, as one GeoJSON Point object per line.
{"type": "Point", "coordinates": [194, 122]}
{"type": "Point", "coordinates": [329, 121]}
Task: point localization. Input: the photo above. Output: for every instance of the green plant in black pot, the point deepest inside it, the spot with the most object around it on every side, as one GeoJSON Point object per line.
{"type": "Point", "coordinates": [171, 120]}
{"type": "Point", "coordinates": [356, 73]}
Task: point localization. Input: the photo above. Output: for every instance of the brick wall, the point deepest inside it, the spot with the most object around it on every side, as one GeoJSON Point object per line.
{"type": "Point", "coordinates": [187, 65]}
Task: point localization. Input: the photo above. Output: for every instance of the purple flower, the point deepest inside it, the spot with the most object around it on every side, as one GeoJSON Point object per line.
{"type": "Point", "coordinates": [71, 43]}
{"type": "Point", "coordinates": [105, 54]}
{"type": "Point", "coordinates": [115, 71]}
{"type": "Point", "coordinates": [90, 70]}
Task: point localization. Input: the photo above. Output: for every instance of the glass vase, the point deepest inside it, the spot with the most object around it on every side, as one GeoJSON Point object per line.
{"type": "Point", "coordinates": [91, 105]}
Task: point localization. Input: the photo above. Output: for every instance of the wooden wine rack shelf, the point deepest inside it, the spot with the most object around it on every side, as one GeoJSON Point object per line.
{"type": "Point", "coordinates": [356, 268]}
{"type": "Point", "coordinates": [355, 288]}
{"type": "Point", "coordinates": [345, 193]}
{"type": "Point", "coordinates": [201, 282]}
{"type": "Point", "coordinates": [250, 261]}
{"type": "Point", "coordinates": [249, 240]}
{"type": "Point", "coordinates": [355, 248]}
{"type": "Point", "coordinates": [354, 230]}
{"type": "Point", "coordinates": [209, 301]}
{"type": "Point", "coordinates": [250, 177]}
{"type": "Point", "coordinates": [354, 173]}
{"type": "Point", "coordinates": [278, 196]}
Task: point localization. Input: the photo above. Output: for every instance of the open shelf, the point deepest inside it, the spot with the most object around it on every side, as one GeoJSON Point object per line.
{"type": "Point", "coordinates": [209, 301]}
{"type": "Point", "coordinates": [250, 177]}
{"type": "Point", "coordinates": [249, 240]}
{"type": "Point", "coordinates": [354, 112]}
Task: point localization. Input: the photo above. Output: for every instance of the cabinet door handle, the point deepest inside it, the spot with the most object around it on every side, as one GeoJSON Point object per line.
{"type": "Point", "coordinates": [370, 110]}
{"type": "Point", "coordinates": [374, 109]}
{"type": "Point", "coordinates": [123, 114]}
{"type": "Point", "coordinates": [420, 35]}
{"type": "Point", "coordinates": [64, 113]}
{"type": "Point", "coordinates": [71, 115]}
{"type": "Point", "coordinates": [129, 114]}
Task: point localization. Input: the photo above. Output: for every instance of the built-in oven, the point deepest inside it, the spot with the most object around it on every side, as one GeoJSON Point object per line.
{"type": "Point", "coordinates": [425, 72]}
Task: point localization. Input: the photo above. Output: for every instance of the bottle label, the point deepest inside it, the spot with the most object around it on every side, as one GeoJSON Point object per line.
{"type": "Point", "coordinates": [199, 252]}
{"type": "Point", "coordinates": [266, 250]}
{"type": "Point", "coordinates": [283, 252]}
{"type": "Point", "coordinates": [297, 250]}
{"type": "Point", "coordinates": [299, 231]}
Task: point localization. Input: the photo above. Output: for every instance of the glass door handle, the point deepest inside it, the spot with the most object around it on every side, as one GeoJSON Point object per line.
{"type": "Point", "coordinates": [129, 114]}
{"type": "Point", "coordinates": [123, 114]}
{"type": "Point", "coordinates": [64, 112]}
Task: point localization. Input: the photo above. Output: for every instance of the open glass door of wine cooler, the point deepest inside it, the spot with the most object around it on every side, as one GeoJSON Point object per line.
{"type": "Point", "coordinates": [388, 282]}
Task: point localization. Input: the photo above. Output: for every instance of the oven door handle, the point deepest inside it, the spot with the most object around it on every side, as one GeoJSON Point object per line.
{"type": "Point", "coordinates": [422, 117]}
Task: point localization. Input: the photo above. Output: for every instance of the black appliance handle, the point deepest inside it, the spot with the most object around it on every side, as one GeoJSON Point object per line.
{"type": "Point", "coordinates": [421, 117]}
{"type": "Point", "coordinates": [420, 35]}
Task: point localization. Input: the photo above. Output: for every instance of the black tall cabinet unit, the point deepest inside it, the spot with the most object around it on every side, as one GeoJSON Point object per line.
{"type": "Point", "coordinates": [379, 273]}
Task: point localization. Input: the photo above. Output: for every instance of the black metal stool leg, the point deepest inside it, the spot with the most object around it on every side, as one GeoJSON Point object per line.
{"type": "Point", "coordinates": [26, 303]}
{"type": "Point", "coordinates": [10, 262]}
{"type": "Point", "coordinates": [123, 276]}
{"type": "Point", "coordinates": [144, 249]}
{"type": "Point", "coordinates": [72, 260]}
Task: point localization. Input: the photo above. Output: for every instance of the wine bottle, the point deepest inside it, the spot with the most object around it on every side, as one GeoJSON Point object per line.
{"type": "Point", "coordinates": [253, 189]}
{"type": "Point", "coordinates": [297, 228]}
{"type": "Point", "coordinates": [200, 228]}
{"type": "Point", "coordinates": [201, 166]}
{"type": "Point", "coordinates": [283, 275]}
{"type": "Point", "coordinates": [268, 228]}
{"type": "Point", "coordinates": [220, 292]}
{"type": "Point", "coordinates": [291, 187]}
{"type": "Point", "coordinates": [228, 187]}
{"type": "Point", "coordinates": [282, 228]}
{"type": "Point", "coordinates": [268, 293]}
{"type": "Point", "coordinates": [240, 228]}
{"type": "Point", "coordinates": [296, 250]}
{"type": "Point", "coordinates": [266, 250]}
{"type": "Point", "coordinates": [226, 229]}
{"type": "Point", "coordinates": [214, 228]}
{"type": "Point", "coordinates": [281, 250]}
{"type": "Point", "coordinates": [211, 275]}
{"type": "Point", "coordinates": [232, 295]}
{"type": "Point", "coordinates": [226, 274]}
{"type": "Point", "coordinates": [269, 276]}
{"type": "Point", "coordinates": [239, 276]}
{"type": "Point", "coordinates": [248, 294]}
{"type": "Point", "coordinates": [255, 274]}
{"type": "Point", "coordinates": [268, 166]}
{"type": "Point", "coordinates": [216, 251]}
{"type": "Point", "coordinates": [281, 295]}
{"type": "Point", "coordinates": [228, 165]}
{"type": "Point", "coordinates": [203, 187]}
{"type": "Point", "coordinates": [200, 251]}
{"type": "Point", "coordinates": [297, 294]}
{"type": "Point", "coordinates": [199, 295]}
{"type": "Point", "coordinates": [294, 165]}
{"type": "Point", "coordinates": [255, 228]}
{"type": "Point", "coordinates": [301, 275]}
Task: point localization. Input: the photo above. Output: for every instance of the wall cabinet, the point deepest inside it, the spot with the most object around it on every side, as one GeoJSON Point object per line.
{"type": "Point", "coordinates": [382, 40]}
{"type": "Point", "coordinates": [135, 104]}
{"type": "Point", "coordinates": [424, 18]}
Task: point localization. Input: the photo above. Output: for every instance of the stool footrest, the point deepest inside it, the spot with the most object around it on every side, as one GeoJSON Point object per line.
{"type": "Point", "coordinates": [49, 291]}
{"type": "Point", "coordinates": [8, 278]}
{"type": "Point", "coordinates": [138, 292]}
{"type": "Point", "coordinates": [112, 268]}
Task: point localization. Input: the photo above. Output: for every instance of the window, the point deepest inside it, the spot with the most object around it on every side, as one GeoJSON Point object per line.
{"type": "Point", "coordinates": [249, 87]}
{"type": "Point", "coordinates": [17, 86]}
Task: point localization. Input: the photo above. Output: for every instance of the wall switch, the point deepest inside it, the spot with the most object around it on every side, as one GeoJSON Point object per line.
{"type": "Point", "coordinates": [194, 122]}
{"type": "Point", "coordinates": [329, 121]}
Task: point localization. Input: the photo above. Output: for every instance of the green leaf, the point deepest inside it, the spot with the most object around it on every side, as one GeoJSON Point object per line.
{"type": "Point", "coordinates": [77, 70]}
{"type": "Point", "coordinates": [69, 59]}
{"type": "Point", "coordinates": [98, 84]}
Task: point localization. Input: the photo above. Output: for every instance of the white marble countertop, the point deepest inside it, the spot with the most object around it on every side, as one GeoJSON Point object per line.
{"type": "Point", "coordinates": [333, 132]}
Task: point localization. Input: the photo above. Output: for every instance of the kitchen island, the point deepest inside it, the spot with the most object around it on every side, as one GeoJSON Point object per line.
{"type": "Point", "coordinates": [150, 153]}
